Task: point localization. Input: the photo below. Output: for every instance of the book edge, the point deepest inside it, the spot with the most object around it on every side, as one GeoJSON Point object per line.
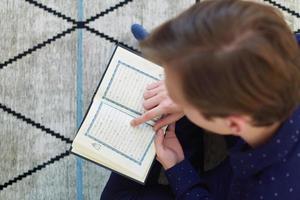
{"type": "Point", "coordinates": [112, 170]}
{"type": "Point", "coordinates": [86, 113]}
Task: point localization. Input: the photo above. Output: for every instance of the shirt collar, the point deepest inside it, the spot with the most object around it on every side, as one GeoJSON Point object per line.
{"type": "Point", "coordinates": [246, 161]}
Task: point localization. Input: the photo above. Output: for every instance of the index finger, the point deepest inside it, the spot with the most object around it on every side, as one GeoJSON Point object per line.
{"type": "Point", "coordinates": [151, 114]}
{"type": "Point", "coordinates": [153, 85]}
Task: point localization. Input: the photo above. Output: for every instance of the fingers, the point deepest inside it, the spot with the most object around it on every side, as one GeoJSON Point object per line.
{"type": "Point", "coordinates": [170, 135]}
{"type": "Point", "coordinates": [154, 90]}
{"type": "Point", "coordinates": [154, 85]}
{"type": "Point", "coordinates": [150, 93]}
{"type": "Point", "coordinates": [152, 102]}
{"type": "Point", "coordinates": [147, 116]}
{"type": "Point", "coordinates": [167, 120]}
{"type": "Point", "coordinates": [158, 140]}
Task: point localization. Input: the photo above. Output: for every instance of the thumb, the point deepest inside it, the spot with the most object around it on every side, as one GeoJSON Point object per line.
{"type": "Point", "coordinates": [158, 140]}
{"type": "Point", "coordinates": [171, 127]}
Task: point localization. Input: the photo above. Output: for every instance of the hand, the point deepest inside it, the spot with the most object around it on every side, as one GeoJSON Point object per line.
{"type": "Point", "coordinates": [168, 149]}
{"type": "Point", "coordinates": [158, 103]}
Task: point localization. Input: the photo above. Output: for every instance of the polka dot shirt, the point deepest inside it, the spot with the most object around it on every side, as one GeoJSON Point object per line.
{"type": "Point", "coordinates": [271, 171]}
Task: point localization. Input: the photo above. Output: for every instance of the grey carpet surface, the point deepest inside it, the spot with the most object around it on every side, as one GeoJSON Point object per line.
{"type": "Point", "coordinates": [39, 79]}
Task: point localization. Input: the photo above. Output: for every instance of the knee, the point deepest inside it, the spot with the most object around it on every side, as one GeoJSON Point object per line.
{"type": "Point", "coordinates": [117, 187]}
{"type": "Point", "coordinates": [120, 195]}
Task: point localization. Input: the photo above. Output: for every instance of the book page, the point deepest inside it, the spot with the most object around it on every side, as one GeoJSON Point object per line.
{"type": "Point", "coordinates": [106, 130]}
{"type": "Point", "coordinates": [110, 127]}
{"type": "Point", "coordinates": [127, 86]}
{"type": "Point", "coordinates": [126, 79]}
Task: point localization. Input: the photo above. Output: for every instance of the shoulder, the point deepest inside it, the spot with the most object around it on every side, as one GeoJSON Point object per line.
{"type": "Point", "coordinates": [281, 179]}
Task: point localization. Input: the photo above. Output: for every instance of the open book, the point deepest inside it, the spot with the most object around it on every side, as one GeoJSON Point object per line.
{"type": "Point", "coordinates": [105, 135]}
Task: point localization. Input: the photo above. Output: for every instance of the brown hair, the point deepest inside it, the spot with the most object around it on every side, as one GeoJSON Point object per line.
{"type": "Point", "coordinates": [232, 57]}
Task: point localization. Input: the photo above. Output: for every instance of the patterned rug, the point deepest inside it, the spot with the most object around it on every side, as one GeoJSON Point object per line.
{"type": "Point", "coordinates": [53, 54]}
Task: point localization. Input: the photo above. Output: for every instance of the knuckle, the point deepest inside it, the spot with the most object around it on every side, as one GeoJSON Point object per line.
{"type": "Point", "coordinates": [165, 104]}
{"type": "Point", "coordinates": [161, 96]}
{"type": "Point", "coordinates": [144, 104]}
{"type": "Point", "coordinates": [154, 84]}
{"type": "Point", "coordinates": [147, 115]}
{"type": "Point", "coordinates": [158, 126]}
{"type": "Point", "coordinates": [163, 109]}
{"type": "Point", "coordinates": [145, 94]}
{"type": "Point", "coordinates": [150, 93]}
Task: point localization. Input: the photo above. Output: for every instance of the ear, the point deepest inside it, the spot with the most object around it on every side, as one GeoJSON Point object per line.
{"type": "Point", "coordinates": [236, 124]}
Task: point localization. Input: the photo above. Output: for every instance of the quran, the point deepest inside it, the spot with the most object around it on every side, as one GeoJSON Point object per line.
{"type": "Point", "coordinates": [105, 136]}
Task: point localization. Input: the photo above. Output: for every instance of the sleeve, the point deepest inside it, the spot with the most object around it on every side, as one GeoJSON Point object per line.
{"type": "Point", "coordinates": [185, 182]}
{"type": "Point", "coordinates": [298, 37]}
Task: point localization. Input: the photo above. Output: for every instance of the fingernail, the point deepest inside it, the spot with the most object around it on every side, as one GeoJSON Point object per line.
{"type": "Point", "coordinates": [148, 86]}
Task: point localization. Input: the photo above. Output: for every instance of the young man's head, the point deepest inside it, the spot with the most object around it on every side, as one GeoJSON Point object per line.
{"type": "Point", "coordinates": [230, 64]}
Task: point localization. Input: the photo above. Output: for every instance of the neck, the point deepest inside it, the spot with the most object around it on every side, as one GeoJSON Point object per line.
{"type": "Point", "coordinates": [257, 136]}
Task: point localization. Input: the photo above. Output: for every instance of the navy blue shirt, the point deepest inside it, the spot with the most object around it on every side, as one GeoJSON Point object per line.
{"type": "Point", "coordinates": [271, 171]}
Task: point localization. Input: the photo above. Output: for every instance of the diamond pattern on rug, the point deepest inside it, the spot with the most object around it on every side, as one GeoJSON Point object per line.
{"type": "Point", "coordinates": [38, 84]}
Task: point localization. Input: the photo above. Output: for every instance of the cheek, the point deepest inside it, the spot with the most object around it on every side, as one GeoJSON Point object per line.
{"type": "Point", "coordinates": [196, 119]}
{"type": "Point", "coordinates": [192, 119]}
{"type": "Point", "coordinates": [206, 124]}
